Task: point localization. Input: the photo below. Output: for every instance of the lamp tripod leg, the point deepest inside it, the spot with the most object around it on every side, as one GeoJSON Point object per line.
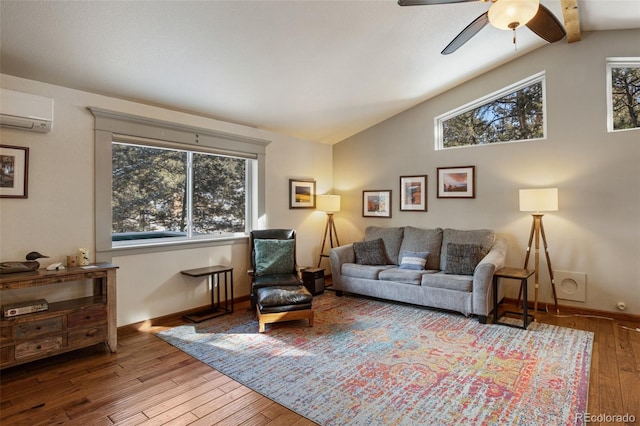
{"type": "Point", "coordinates": [546, 252]}
{"type": "Point", "coordinates": [324, 240]}
{"type": "Point", "coordinates": [526, 258]}
{"type": "Point", "coordinates": [334, 232]}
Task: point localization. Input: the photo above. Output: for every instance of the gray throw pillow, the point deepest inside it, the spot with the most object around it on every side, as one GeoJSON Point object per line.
{"type": "Point", "coordinates": [462, 259]}
{"type": "Point", "coordinates": [413, 260]}
{"type": "Point", "coordinates": [274, 256]}
{"type": "Point", "coordinates": [370, 252]}
{"type": "Point", "coordinates": [392, 238]}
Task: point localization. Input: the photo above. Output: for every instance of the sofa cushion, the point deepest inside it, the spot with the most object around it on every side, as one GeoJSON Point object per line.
{"type": "Point", "coordinates": [449, 282]}
{"type": "Point", "coordinates": [482, 237]}
{"type": "Point", "coordinates": [413, 259]}
{"type": "Point", "coordinates": [370, 252]}
{"type": "Point", "coordinates": [274, 256]}
{"type": "Point", "coordinates": [429, 240]}
{"type": "Point", "coordinates": [370, 272]}
{"type": "Point", "coordinates": [404, 276]}
{"type": "Point", "coordinates": [462, 259]}
{"type": "Point", "coordinates": [392, 238]}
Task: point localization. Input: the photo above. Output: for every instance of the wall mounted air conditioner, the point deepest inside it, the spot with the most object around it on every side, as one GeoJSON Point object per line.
{"type": "Point", "coordinates": [25, 111]}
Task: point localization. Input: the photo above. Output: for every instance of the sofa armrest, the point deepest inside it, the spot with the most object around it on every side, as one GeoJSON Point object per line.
{"type": "Point", "coordinates": [483, 277]}
{"type": "Point", "coordinates": [338, 256]}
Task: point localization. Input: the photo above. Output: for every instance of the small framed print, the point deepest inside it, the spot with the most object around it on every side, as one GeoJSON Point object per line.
{"type": "Point", "coordinates": [14, 171]}
{"type": "Point", "coordinates": [376, 203]}
{"type": "Point", "coordinates": [457, 182]}
{"type": "Point", "coordinates": [302, 194]}
{"type": "Point", "coordinates": [413, 193]}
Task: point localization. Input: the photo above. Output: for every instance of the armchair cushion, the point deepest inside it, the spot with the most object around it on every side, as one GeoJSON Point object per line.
{"type": "Point", "coordinates": [280, 296]}
{"type": "Point", "coordinates": [274, 256]}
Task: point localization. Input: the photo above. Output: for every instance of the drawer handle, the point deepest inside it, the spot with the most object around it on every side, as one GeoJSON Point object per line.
{"type": "Point", "coordinates": [39, 347]}
{"type": "Point", "coordinates": [38, 328]}
{"type": "Point", "coordinates": [92, 333]}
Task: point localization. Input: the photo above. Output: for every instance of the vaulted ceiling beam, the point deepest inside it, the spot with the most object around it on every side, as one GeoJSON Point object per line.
{"type": "Point", "coordinates": [571, 19]}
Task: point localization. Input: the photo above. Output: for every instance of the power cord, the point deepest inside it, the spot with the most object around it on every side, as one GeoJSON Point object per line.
{"type": "Point", "coordinates": [637, 329]}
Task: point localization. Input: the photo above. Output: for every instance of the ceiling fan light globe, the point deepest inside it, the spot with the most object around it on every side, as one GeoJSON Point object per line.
{"type": "Point", "coordinates": [512, 14]}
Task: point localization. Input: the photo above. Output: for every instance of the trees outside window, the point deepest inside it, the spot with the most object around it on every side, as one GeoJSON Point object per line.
{"type": "Point", "coordinates": [515, 113]}
{"type": "Point", "coordinates": [169, 193]}
{"type": "Point", "coordinates": [623, 89]}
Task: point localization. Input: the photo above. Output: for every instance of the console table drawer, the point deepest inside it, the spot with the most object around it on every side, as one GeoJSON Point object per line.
{"type": "Point", "coordinates": [39, 346]}
{"type": "Point", "coordinates": [87, 335]}
{"type": "Point", "coordinates": [86, 317]}
{"type": "Point", "coordinates": [37, 328]}
{"type": "Point", "coordinates": [6, 335]}
{"type": "Point", "coordinates": [5, 355]}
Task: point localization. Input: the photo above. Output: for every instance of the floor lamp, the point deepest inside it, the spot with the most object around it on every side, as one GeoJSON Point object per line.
{"type": "Point", "coordinates": [539, 200]}
{"type": "Point", "coordinates": [328, 204]}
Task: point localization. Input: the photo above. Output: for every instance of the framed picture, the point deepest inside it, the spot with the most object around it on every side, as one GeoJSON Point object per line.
{"type": "Point", "coordinates": [413, 193]}
{"type": "Point", "coordinates": [14, 171]}
{"type": "Point", "coordinates": [376, 203]}
{"type": "Point", "coordinates": [302, 194]}
{"type": "Point", "coordinates": [457, 182]}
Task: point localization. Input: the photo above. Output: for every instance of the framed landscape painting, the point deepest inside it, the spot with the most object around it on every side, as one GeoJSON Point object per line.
{"type": "Point", "coordinates": [302, 194]}
{"type": "Point", "coordinates": [413, 193]}
{"type": "Point", "coordinates": [376, 203]}
{"type": "Point", "coordinates": [14, 171]}
{"type": "Point", "coordinates": [457, 182]}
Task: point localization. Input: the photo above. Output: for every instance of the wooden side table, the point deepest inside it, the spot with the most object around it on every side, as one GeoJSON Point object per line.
{"type": "Point", "coordinates": [515, 274]}
{"type": "Point", "coordinates": [214, 273]}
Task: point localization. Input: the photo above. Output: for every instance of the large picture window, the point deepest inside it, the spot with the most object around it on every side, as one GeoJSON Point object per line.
{"type": "Point", "coordinates": [171, 193]}
{"type": "Point", "coordinates": [516, 113]}
{"type": "Point", "coordinates": [163, 186]}
{"type": "Point", "coordinates": [623, 93]}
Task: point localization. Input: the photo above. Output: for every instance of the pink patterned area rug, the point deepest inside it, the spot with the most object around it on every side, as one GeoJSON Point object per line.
{"type": "Point", "coordinates": [368, 362]}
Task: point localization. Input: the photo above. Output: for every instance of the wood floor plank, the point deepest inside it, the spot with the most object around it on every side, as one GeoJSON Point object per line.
{"type": "Point", "coordinates": [229, 409]}
{"type": "Point", "coordinates": [208, 387]}
{"type": "Point", "coordinates": [152, 400]}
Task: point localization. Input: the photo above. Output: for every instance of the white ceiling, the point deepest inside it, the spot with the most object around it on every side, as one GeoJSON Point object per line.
{"type": "Point", "coordinates": [319, 70]}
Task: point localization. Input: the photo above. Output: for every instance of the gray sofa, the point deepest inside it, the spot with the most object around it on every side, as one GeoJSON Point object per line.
{"type": "Point", "coordinates": [440, 268]}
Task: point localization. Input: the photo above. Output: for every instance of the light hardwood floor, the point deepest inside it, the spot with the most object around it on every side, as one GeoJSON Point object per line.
{"type": "Point", "coordinates": [150, 382]}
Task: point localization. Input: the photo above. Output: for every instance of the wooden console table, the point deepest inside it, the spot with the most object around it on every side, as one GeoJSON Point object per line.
{"type": "Point", "coordinates": [66, 325]}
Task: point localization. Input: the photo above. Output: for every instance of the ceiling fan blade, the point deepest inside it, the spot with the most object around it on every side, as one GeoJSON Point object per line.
{"type": "Point", "coordinates": [546, 25]}
{"type": "Point", "coordinates": [466, 34]}
{"type": "Point", "coordinates": [429, 2]}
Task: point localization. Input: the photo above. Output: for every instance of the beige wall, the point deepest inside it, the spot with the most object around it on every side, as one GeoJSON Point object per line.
{"type": "Point", "coordinates": [58, 216]}
{"type": "Point", "coordinates": [597, 228]}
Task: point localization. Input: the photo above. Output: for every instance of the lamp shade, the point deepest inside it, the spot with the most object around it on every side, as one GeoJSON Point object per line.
{"type": "Point", "coordinates": [328, 203]}
{"type": "Point", "coordinates": [512, 14]}
{"type": "Point", "coordinates": [539, 200]}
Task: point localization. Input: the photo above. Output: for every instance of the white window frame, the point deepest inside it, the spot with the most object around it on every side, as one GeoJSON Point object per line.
{"type": "Point", "coordinates": [633, 62]}
{"type": "Point", "coordinates": [120, 127]}
{"type": "Point", "coordinates": [439, 120]}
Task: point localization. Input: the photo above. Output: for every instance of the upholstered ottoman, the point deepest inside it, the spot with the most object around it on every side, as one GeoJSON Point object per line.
{"type": "Point", "coordinates": [283, 303]}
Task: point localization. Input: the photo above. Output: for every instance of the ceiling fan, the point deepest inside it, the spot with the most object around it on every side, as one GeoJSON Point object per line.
{"type": "Point", "coordinates": [505, 15]}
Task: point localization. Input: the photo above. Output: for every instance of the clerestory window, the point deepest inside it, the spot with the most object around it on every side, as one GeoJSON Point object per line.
{"type": "Point", "coordinates": [515, 113]}
{"type": "Point", "coordinates": [623, 94]}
